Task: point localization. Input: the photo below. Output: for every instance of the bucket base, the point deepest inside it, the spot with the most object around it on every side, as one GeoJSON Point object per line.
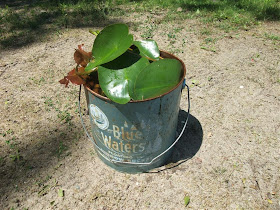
{"type": "Point", "coordinates": [135, 169]}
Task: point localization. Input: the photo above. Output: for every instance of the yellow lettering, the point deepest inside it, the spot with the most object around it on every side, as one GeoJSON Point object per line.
{"type": "Point", "coordinates": [127, 148]}
{"type": "Point", "coordinates": [129, 137]}
{"type": "Point", "coordinates": [142, 147]}
{"type": "Point", "coordinates": [121, 144]}
{"type": "Point", "coordinates": [115, 145]}
{"type": "Point", "coordinates": [107, 142]}
{"type": "Point", "coordinates": [116, 132]}
{"type": "Point", "coordinates": [138, 135]}
{"type": "Point", "coordinates": [123, 137]}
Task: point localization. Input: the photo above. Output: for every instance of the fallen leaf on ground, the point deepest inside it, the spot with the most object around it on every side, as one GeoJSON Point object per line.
{"type": "Point", "coordinates": [61, 193]}
{"type": "Point", "coordinates": [269, 201]}
{"type": "Point", "coordinates": [187, 200]}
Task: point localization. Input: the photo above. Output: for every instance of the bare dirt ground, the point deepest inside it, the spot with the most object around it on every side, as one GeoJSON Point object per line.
{"type": "Point", "coordinates": [228, 158]}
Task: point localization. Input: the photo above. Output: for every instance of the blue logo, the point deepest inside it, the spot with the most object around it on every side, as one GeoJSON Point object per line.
{"type": "Point", "coordinates": [99, 118]}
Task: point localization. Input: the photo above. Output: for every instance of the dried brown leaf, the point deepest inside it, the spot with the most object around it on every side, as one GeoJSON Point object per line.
{"type": "Point", "coordinates": [79, 76]}
{"type": "Point", "coordinates": [64, 81]}
{"type": "Point", "coordinates": [82, 57]}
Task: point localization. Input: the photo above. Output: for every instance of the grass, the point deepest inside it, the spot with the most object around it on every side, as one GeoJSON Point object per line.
{"type": "Point", "coordinates": [63, 115]}
{"type": "Point", "coordinates": [148, 31]}
{"type": "Point", "coordinates": [23, 22]}
{"type": "Point", "coordinates": [61, 149]}
{"type": "Point", "coordinates": [225, 14]}
{"type": "Point", "coordinates": [12, 144]}
{"type": "Point", "coordinates": [218, 9]}
{"type": "Point", "coordinates": [271, 36]}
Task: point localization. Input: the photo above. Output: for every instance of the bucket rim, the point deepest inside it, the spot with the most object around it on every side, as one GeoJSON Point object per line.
{"type": "Point", "coordinates": [163, 54]}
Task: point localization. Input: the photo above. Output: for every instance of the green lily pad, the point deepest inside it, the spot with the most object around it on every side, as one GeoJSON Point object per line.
{"type": "Point", "coordinates": [156, 79]}
{"type": "Point", "coordinates": [148, 48]}
{"type": "Point", "coordinates": [116, 78]}
{"type": "Point", "coordinates": [109, 44]}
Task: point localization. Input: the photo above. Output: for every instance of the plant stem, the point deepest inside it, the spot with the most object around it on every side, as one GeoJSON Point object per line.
{"type": "Point", "coordinates": [95, 33]}
{"type": "Point", "coordinates": [86, 73]}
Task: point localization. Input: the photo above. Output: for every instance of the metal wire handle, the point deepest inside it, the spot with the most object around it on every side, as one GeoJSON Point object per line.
{"type": "Point", "coordinates": [102, 152]}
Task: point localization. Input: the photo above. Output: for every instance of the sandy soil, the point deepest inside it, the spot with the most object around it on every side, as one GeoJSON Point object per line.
{"type": "Point", "coordinates": [228, 158]}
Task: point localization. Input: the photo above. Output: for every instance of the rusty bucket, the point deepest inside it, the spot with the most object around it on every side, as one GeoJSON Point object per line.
{"type": "Point", "coordinates": [138, 136]}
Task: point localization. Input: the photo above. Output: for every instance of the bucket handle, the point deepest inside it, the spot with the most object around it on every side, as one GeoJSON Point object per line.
{"type": "Point", "coordinates": [102, 152]}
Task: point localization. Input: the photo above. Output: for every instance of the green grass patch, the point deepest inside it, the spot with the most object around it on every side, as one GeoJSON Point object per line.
{"type": "Point", "coordinates": [23, 22]}
{"type": "Point", "coordinates": [225, 14]}
{"type": "Point", "coordinates": [259, 9]}
{"type": "Point", "coordinates": [272, 36]}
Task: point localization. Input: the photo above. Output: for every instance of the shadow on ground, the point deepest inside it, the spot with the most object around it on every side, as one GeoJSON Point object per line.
{"type": "Point", "coordinates": [191, 140]}
{"type": "Point", "coordinates": [265, 11]}
{"type": "Point", "coordinates": [23, 22]}
{"type": "Point", "coordinates": [48, 147]}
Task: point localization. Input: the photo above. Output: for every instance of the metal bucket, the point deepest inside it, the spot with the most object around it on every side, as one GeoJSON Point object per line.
{"type": "Point", "coordinates": [137, 136]}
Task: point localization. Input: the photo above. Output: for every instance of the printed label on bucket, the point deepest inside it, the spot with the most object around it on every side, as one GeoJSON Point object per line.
{"type": "Point", "coordinates": [99, 118]}
{"type": "Point", "coordinates": [120, 140]}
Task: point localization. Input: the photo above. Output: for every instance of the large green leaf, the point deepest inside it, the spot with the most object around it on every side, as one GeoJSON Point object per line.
{"type": "Point", "coordinates": [157, 78]}
{"type": "Point", "coordinates": [116, 78]}
{"type": "Point", "coordinates": [148, 48]}
{"type": "Point", "coordinates": [109, 44]}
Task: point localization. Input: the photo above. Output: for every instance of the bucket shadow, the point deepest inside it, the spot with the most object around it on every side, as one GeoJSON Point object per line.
{"type": "Point", "coordinates": [191, 140]}
{"type": "Point", "coordinates": [187, 146]}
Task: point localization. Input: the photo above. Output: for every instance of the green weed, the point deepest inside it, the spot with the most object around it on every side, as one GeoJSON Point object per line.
{"type": "Point", "coordinates": [205, 31]}
{"type": "Point", "coordinates": [24, 23]}
{"type": "Point", "coordinates": [44, 188]}
{"type": "Point", "coordinates": [175, 51]}
{"type": "Point", "coordinates": [16, 156]}
{"type": "Point", "coordinates": [195, 83]}
{"type": "Point", "coordinates": [210, 78]}
{"type": "Point", "coordinates": [272, 36]}
{"type": "Point", "coordinates": [12, 144]}
{"type": "Point", "coordinates": [209, 44]}
{"type": "Point", "coordinates": [92, 152]}
{"type": "Point", "coordinates": [210, 40]}
{"type": "Point", "coordinates": [1, 160]}
{"type": "Point", "coordinates": [177, 30]}
{"type": "Point", "coordinates": [10, 131]}
{"type": "Point", "coordinates": [62, 148]}
{"type": "Point", "coordinates": [220, 170]}
{"type": "Point", "coordinates": [49, 102]}
{"type": "Point", "coordinates": [171, 35]}
{"type": "Point", "coordinates": [64, 116]}
{"type": "Point", "coordinates": [225, 14]}
{"type": "Point", "coordinates": [38, 81]}
{"type": "Point", "coordinates": [148, 32]}
{"type": "Point", "coordinates": [259, 9]}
